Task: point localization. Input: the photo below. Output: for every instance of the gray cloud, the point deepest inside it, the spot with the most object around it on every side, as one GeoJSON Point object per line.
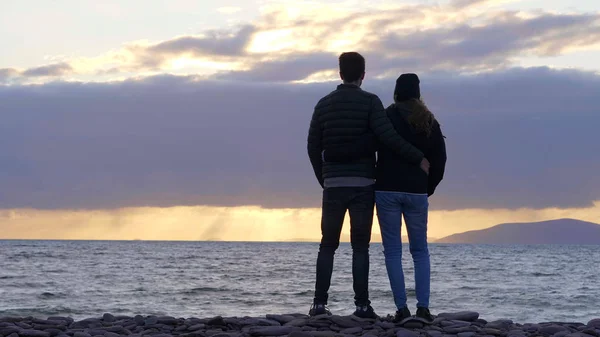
{"type": "Point", "coordinates": [57, 69]}
{"type": "Point", "coordinates": [291, 68]}
{"type": "Point", "coordinates": [7, 73]}
{"type": "Point", "coordinates": [214, 43]}
{"type": "Point", "coordinates": [518, 138]}
{"type": "Point", "coordinates": [462, 47]}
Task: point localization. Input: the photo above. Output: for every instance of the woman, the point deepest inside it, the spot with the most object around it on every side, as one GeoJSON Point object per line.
{"type": "Point", "coordinates": [402, 189]}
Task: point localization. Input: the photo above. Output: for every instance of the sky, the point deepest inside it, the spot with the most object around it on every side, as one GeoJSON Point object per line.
{"type": "Point", "coordinates": [187, 120]}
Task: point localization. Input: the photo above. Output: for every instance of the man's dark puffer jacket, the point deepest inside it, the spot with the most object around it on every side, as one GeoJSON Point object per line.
{"type": "Point", "coordinates": [341, 118]}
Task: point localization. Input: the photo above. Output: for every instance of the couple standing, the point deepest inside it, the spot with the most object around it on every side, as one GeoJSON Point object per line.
{"type": "Point", "coordinates": [347, 128]}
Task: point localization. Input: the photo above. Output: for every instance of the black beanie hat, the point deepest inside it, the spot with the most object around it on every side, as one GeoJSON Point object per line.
{"type": "Point", "coordinates": [407, 87]}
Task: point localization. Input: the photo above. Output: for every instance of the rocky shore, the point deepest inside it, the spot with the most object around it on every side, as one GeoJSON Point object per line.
{"type": "Point", "coordinates": [461, 324]}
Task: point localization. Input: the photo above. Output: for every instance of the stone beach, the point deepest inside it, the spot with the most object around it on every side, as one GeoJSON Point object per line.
{"type": "Point", "coordinates": [459, 324]}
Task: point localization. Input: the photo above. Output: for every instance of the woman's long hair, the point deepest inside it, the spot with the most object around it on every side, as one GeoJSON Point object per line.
{"type": "Point", "coordinates": [420, 118]}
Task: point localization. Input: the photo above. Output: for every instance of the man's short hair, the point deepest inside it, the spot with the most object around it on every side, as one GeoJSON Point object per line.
{"type": "Point", "coordinates": [352, 66]}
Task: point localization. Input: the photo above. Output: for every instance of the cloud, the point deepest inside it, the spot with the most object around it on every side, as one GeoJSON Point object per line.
{"type": "Point", "coordinates": [516, 138]}
{"type": "Point", "coordinates": [52, 70]}
{"type": "Point", "coordinates": [7, 73]}
{"type": "Point", "coordinates": [291, 43]}
{"type": "Point", "coordinates": [223, 43]}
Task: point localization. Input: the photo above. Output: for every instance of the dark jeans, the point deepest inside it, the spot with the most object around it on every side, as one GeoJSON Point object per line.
{"type": "Point", "coordinates": [359, 201]}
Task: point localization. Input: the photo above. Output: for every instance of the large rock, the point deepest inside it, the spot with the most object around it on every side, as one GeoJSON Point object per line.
{"type": "Point", "coordinates": [282, 319]}
{"type": "Point", "coordinates": [595, 323]}
{"type": "Point", "coordinates": [344, 322]}
{"type": "Point", "coordinates": [469, 316]}
{"type": "Point", "coordinates": [503, 324]}
{"type": "Point", "coordinates": [352, 331]}
{"type": "Point", "coordinates": [268, 322]}
{"type": "Point", "coordinates": [271, 330]}
{"type": "Point", "coordinates": [406, 333]}
{"type": "Point", "coordinates": [109, 318]}
{"type": "Point", "coordinates": [466, 334]}
{"type": "Point", "coordinates": [552, 329]}
{"type": "Point", "coordinates": [34, 333]}
{"type": "Point", "coordinates": [10, 319]}
{"type": "Point", "coordinates": [299, 334]}
{"type": "Point", "coordinates": [9, 330]}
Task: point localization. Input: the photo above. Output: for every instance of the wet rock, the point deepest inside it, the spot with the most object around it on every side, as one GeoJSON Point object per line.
{"type": "Point", "coordinates": [152, 320]}
{"type": "Point", "coordinates": [561, 333]}
{"type": "Point", "coordinates": [9, 330]}
{"type": "Point", "coordinates": [167, 320]}
{"type": "Point", "coordinates": [503, 324]}
{"type": "Point", "coordinates": [352, 331]}
{"type": "Point", "coordinates": [324, 333]}
{"type": "Point", "coordinates": [54, 332]}
{"type": "Point", "coordinates": [81, 334]}
{"type": "Point", "coordinates": [13, 335]}
{"type": "Point", "coordinates": [139, 319]}
{"type": "Point", "coordinates": [23, 325]}
{"type": "Point", "coordinates": [591, 332]}
{"type": "Point", "coordinates": [344, 322]}
{"type": "Point", "coordinates": [111, 334]}
{"type": "Point", "coordinates": [299, 334]}
{"type": "Point", "coordinates": [271, 330]}
{"type": "Point", "coordinates": [406, 333]}
{"type": "Point", "coordinates": [595, 323]}
{"type": "Point", "coordinates": [433, 333]}
{"type": "Point", "coordinates": [282, 319]}
{"type": "Point", "coordinates": [10, 319]}
{"type": "Point", "coordinates": [493, 332]}
{"type": "Point", "coordinates": [413, 325]}
{"type": "Point", "coordinates": [457, 323]}
{"type": "Point", "coordinates": [466, 334]}
{"type": "Point", "coordinates": [216, 321]}
{"type": "Point", "coordinates": [552, 329]}
{"type": "Point", "coordinates": [268, 322]}
{"type": "Point", "coordinates": [109, 318]}
{"type": "Point", "coordinates": [385, 325]}
{"type": "Point", "coordinates": [457, 330]}
{"type": "Point", "coordinates": [196, 327]}
{"type": "Point", "coordinates": [6, 324]}
{"type": "Point", "coordinates": [469, 316]}
{"type": "Point", "coordinates": [33, 333]}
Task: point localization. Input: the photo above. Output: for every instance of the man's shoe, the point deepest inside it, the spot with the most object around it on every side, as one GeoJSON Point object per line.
{"type": "Point", "coordinates": [318, 309]}
{"type": "Point", "coordinates": [424, 315]}
{"type": "Point", "coordinates": [365, 311]}
{"type": "Point", "coordinates": [402, 316]}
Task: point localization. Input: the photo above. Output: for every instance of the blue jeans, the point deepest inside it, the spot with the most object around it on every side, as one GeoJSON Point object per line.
{"type": "Point", "coordinates": [391, 206]}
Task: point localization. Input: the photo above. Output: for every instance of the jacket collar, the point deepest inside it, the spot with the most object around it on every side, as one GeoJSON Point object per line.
{"type": "Point", "coordinates": [348, 86]}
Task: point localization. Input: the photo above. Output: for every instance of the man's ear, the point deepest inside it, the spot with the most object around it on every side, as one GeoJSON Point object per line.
{"type": "Point", "coordinates": [362, 77]}
{"type": "Point", "coordinates": [341, 76]}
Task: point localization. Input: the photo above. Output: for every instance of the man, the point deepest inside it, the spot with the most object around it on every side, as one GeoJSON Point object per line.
{"type": "Point", "coordinates": [339, 119]}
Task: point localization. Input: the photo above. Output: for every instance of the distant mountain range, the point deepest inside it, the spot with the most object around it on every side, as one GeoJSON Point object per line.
{"type": "Point", "coordinates": [561, 231]}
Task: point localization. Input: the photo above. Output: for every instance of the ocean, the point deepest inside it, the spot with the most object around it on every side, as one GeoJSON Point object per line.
{"type": "Point", "coordinates": [203, 279]}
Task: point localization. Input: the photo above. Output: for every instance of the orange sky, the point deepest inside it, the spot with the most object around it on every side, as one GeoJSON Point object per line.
{"type": "Point", "coordinates": [235, 224]}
